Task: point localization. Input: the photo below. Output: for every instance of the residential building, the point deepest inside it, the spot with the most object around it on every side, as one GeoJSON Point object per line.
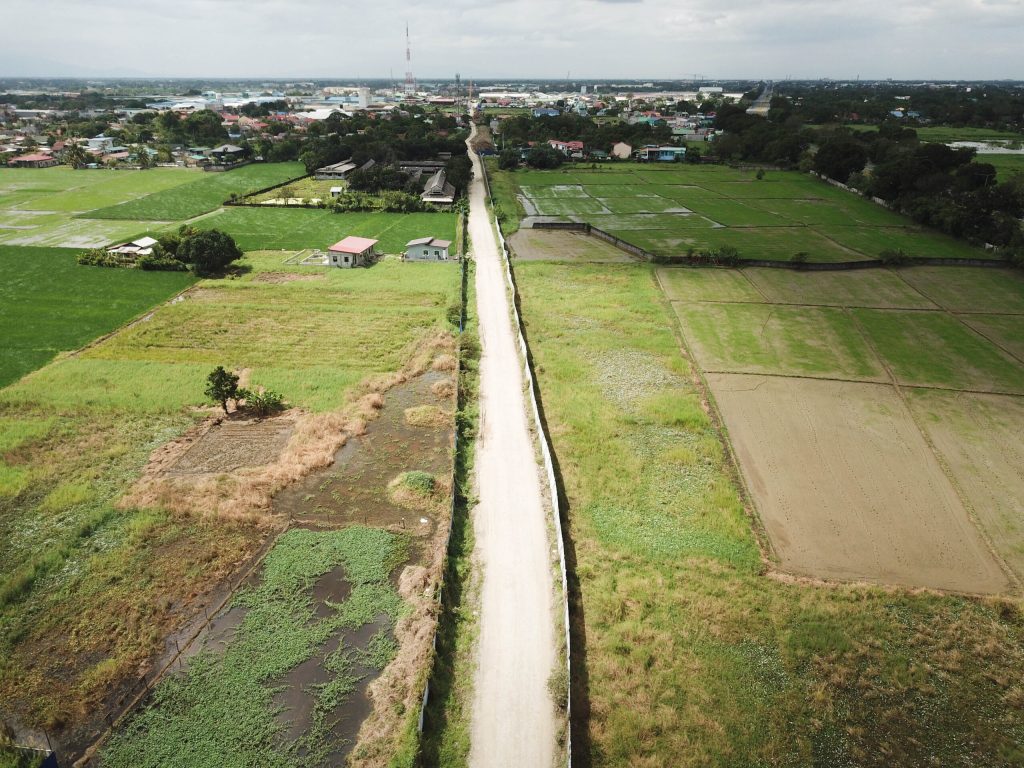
{"type": "Point", "coordinates": [546, 112]}
{"type": "Point", "coordinates": [438, 190]}
{"type": "Point", "coordinates": [567, 148]}
{"type": "Point", "coordinates": [652, 153]}
{"type": "Point", "coordinates": [133, 250]}
{"type": "Point", "coordinates": [36, 160]}
{"type": "Point", "coordinates": [427, 249]}
{"type": "Point", "coordinates": [352, 252]}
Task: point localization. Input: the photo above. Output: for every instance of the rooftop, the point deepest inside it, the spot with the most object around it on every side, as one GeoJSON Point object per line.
{"type": "Point", "coordinates": [353, 244]}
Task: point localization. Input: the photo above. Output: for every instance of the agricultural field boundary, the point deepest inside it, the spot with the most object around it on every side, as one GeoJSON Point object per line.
{"type": "Point", "coordinates": [458, 447]}
{"type": "Point", "coordinates": [545, 448]}
{"type": "Point", "coordinates": [240, 200]}
{"type": "Point", "coordinates": [810, 266]}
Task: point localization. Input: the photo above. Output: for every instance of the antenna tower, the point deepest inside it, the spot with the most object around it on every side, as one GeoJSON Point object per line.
{"type": "Point", "coordinates": [410, 81]}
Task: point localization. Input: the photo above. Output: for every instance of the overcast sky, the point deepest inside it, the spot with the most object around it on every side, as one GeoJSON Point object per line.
{"type": "Point", "coordinates": [911, 39]}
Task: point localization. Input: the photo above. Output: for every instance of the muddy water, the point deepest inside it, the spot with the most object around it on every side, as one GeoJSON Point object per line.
{"type": "Point", "coordinates": [350, 491]}
{"type": "Point", "coordinates": [353, 490]}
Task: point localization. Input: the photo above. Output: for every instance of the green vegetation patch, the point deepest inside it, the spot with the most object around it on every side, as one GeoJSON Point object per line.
{"type": "Point", "coordinates": [49, 304]}
{"type": "Point", "coordinates": [203, 194]}
{"type": "Point", "coordinates": [694, 657]}
{"type": "Point", "coordinates": [692, 284]}
{"type": "Point", "coordinates": [766, 338]}
{"type": "Point", "coordinates": [857, 288]}
{"type": "Point", "coordinates": [968, 289]}
{"type": "Point", "coordinates": [221, 711]}
{"type": "Point", "coordinates": [936, 349]}
{"type": "Point", "coordinates": [256, 229]}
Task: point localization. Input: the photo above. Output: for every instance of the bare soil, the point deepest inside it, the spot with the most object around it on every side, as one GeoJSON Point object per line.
{"type": "Point", "coordinates": [559, 245]}
{"type": "Point", "coordinates": [286, 277]}
{"type": "Point", "coordinates": [980, 439]}
{"type": "Point", "coordinates": [848, 488]}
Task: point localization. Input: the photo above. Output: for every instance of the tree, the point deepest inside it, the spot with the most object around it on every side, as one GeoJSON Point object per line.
{"type": "Point", "coordinates": [209, 251]}
{"type": "Point", "coordinates": [221, 386]}
{"type": "Point", "coordinates": [839, 158]}
{"type": "Point", "coordinates": [508, 160]}
{"type": "Point", "coordinates": [75, 156]}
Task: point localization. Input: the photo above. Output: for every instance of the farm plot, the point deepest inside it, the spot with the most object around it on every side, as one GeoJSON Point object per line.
{"type": "Point", "coordinates": [201, 195]}
{"type": "Point", "coordinates": [100, 566]}
{"type": "Point", "coordinates": [693, 656]}
{"type": "Point", "coordinates": [39, 207]}
{"type": "Point", "coordinates": [37, 321]}
{"type": "Point", "coordinates": [777, 217]}
{"type": "Point", "coordinates": [294, 229]}
{"type": "Point", "coordinates": [555, 245]}
{"type": "Point", "coordinates": [794, 436]}
{"type": "Point", "coordinates": [846, 486]}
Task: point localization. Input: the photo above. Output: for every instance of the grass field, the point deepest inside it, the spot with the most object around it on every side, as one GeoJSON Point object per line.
{"type": "Point", "coordinates": [693, 655]}
{"type": "Point", "coordinates": [295, 229]}
{"type": "Point", "coordinates": [89, 589]}
{"type": "Point", "coordinates": [673, 208]}
{"type": "Point", "coordinates": [201, 195]}
{"type": "Point", "coordinates": [38, 319]}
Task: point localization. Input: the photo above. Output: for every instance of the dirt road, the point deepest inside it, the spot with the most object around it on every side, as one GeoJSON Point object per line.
{"type": "Point", "coordinates": [513, 719]}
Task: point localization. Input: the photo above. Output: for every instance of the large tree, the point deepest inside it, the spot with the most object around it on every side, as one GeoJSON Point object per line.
{"type": "Point", "coordinates": [208, 251]}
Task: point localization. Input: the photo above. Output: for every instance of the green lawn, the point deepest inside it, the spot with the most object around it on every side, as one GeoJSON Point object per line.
{"type": "Point", "coordinates": [257, 229]}
{"type": "Point", "coordinates": [202, 194]}
{"type": "Point", "coordinates": [49, 304]}
{"type": "Point", "coordinates": [1006, 165]}
{"type": "Point", "coordinates": [693, 656]}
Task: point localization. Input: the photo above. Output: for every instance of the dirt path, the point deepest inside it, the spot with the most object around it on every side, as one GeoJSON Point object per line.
{"type": "Point", "coordinates": [513, 719]}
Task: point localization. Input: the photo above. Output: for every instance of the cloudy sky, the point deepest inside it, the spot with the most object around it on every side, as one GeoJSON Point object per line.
{"type": "Point", "coordinates": [941, 39]}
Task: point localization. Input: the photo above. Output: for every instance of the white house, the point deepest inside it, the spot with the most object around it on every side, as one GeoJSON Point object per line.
{"type": "Point", "coordinates": [427, 249]}
{"type": "Point", "coordinates": [351, 252]}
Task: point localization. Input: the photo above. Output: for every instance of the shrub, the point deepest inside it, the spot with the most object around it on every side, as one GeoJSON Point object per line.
{"type": "Point", "coordinates": [419, 481]}
{"type": "Point", "coordinates": [891, 257]}
{"type": "Point", "coordinates": [263, 403]}
{"type": "Point", "coordinates": [160, 263]}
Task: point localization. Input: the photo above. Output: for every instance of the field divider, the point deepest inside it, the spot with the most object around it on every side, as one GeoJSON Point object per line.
{"type": "Point", "coordinates": [544, 440]}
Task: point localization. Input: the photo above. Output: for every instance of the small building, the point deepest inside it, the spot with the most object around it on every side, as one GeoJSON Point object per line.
{"type": "Point", "coordinates": [652, 153]}
{"type": "Point", "coordinates": [567, 148]}
{"type": "Point", "coordinates": [438, 190]}
{"type": "Point", "coordinates": [37, 160]}
{"type": "Point", "coordinates": [133, 250]}
{"type": "Point", "coordinates": [351, 252]}
{"type": "Point", "coordinates": [546, 112]}
{"type": "Point", "coordinates": [427, 249]}
{"type": "Point", "coordinates": [340, 170]}
{"type": "Point", "coordinates": [227, 152]}
{"type": "Point", "coordinates": [622, 150]}
{"type": "Point", "coordinates": [335, 191]}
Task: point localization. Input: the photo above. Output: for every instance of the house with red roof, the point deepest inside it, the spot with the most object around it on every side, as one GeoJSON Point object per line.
{"type": "Point", "coordinates": [352, 252]}
{"type": "Point", "coordinates": [37, 160]}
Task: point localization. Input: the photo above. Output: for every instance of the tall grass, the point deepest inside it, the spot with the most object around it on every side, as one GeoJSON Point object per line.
{"type": "Point", "coordinates": [693, 655]}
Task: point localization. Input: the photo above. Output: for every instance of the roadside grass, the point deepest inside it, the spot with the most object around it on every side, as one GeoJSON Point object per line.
{"type": "Point", "coordinates": [693, 656]}
{"type": "Point", "coordinates": [767, 338]}
{"type": "Point", "coordinates": [936, 349]}
{"type": "Point", "coordinates": [446, 726]}
{"type": "Point", "coordinates": [222, 709]}
{"type": "Point", "coordinates": [276, 227]}
{"type": "Point", "coordinates": [203, 194]}
{"type": "Point", "coordinates": [88, 590]}
{"type": "Point", "coordinates": [777, 217]}
{"type": "Point", "coordinates": [37, 319]}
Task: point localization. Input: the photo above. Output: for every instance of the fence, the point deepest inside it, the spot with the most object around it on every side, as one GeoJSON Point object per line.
{"type": "Point", "coordinates": [545, 448]}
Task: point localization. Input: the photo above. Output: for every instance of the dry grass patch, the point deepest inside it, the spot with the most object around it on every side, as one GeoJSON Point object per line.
{"type": "Point", "coordinates": [427, 416]}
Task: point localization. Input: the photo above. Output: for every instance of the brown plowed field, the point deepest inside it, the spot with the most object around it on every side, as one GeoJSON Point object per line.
{"type": "Point", "coordinates": [847, 487]}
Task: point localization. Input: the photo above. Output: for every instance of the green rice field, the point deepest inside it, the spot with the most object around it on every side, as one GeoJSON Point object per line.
{"type": "Point", "coordinates": [672, 209]}
{"type": "Point", "coordinates": [49, 304]}
{"type": "Point", "coordinates": [201, 195]}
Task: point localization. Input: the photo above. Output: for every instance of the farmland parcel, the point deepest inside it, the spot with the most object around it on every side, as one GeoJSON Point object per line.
{"type": "Point", "coordinates": [693, 655]}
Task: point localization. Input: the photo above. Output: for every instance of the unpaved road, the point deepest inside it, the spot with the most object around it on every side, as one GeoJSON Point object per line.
{"type": "Point", "coordinates": [513, 718]}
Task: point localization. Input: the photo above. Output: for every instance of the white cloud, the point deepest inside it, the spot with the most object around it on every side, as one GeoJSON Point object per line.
{"type": "Point", "coordinates": [528, 38]}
